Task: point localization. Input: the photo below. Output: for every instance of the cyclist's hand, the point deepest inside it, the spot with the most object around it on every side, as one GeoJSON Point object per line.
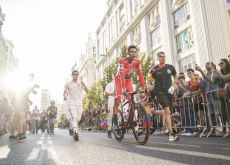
{"type": "Point", "coordinates": [124, 92]}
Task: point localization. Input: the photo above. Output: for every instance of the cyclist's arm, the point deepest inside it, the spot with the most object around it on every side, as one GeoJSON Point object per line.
{"type": "Point", "coordinates": [141, 77]}
{"type": "Point", "coordinates": [122, 71]}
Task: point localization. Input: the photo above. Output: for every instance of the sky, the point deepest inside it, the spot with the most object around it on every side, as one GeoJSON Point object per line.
{"type": "Point", "coordinates": [49, 36]}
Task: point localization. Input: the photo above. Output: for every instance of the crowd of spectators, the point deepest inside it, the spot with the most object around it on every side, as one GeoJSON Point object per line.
{"type": "Point", "coordinates": [201, 100]}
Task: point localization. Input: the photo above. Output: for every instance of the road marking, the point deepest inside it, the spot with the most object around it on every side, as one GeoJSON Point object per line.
{"type": "Point", "coordinates": [42, 137]}
{"type": "Point", "coordinates": [48, 137]}
{"type": "Point", "coordinates": [175, 144]}
{"type": "Point", "coordinates": [191, 153]}
{"type": "Point", "coordinates": [49, 142]}
{"type": "Point", "coordinates": [4, 151]}
{"type": "Point", "coordinates": [40, 142]}
{"type": "Point", "coordinates": [34, 154]}
{"type": "Point", "coordinates": [52, 153]}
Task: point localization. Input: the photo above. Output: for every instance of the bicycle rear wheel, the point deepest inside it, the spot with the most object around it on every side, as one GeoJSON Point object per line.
{"type": "Point", "coordinates": [118, 127]}
{"type": "Point", "coordinates": [140, 125]}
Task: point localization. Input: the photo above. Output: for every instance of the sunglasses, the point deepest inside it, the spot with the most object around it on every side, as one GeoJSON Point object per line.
{"type": "Point", "coordinates": [162, 56]}
{"type": "Point", "coordinates": [221, 63]}
{"type": "Point", "coordinates": [75, 74]}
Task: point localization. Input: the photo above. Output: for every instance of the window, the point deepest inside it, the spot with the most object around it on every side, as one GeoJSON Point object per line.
{"type": "Point", "coordinates": [186, 63]}
{"type": "Point", "coordinates": [155, 37]}
{"type": "Point", "coordinates": [181, 16]}
{"type": "Point", "coordinates": [136, 35]}
{"type": "Point", "coordinates": [154, 17]}
{"type": "Point", "coordinates": [121, 17]}
{"type": "Point", "coordinates": [184, 40]}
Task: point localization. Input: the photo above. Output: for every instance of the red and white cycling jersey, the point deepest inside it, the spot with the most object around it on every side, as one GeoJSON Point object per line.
{"type": "Point", "coordinates": [123, 78]}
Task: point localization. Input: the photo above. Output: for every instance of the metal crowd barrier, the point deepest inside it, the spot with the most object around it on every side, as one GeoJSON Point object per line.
{"type": "Point", "coordinates": [198, 113]}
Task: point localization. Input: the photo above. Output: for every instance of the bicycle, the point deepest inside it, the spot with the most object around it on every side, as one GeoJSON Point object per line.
{"type": "Point", "coordinates": [135, 119]}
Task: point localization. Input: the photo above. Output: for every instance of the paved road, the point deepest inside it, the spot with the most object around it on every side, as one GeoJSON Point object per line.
{"type": "Point", "coordinates": [96, 149]}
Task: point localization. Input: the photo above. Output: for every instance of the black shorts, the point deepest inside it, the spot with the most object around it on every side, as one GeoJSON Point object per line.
{"type": "Point", "coordinates": [164, 99]}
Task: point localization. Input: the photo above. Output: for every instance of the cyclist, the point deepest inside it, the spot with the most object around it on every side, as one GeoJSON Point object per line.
{"type": "Point", "coordinates": [123, 78]}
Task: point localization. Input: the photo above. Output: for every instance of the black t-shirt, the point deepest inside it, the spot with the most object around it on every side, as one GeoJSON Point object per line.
{"type": "Point", "coordinates": [162, 77]}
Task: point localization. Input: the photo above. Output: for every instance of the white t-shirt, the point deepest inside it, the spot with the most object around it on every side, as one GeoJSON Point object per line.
{"type": "Point", "coordinates": [74, 90]}
{"type": "Point", "coordinates": [110, 89]}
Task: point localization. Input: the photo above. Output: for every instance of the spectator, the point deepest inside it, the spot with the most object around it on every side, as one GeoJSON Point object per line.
{"type": "Point", "coordinates": [51, 116]}
{"type": "Point", "coordinates": [195, 88]}
{"type": "Point", "coordinates": [213, 103]}
{"type": "Point", "coordinates": [43, 121]}
{"type": "Point", "coordinates": [35, 120]}
{"type": "Point", "coordinates": [223, 81]}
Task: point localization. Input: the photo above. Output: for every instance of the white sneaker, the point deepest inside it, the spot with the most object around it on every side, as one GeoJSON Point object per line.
{"type": "Point", "coordinates": [173, 138]}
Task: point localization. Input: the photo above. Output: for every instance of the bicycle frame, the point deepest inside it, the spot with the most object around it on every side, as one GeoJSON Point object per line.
{"type": "Point", "coordinates": [130, 109]}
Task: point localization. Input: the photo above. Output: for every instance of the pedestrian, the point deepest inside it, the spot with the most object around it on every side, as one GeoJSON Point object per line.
{"type": "Point", "coordinates": [163, 87]}
{"type": "Point", "coordinates": [51, 117]}
{"type": "Point", "coordinates": [109, 91]}
{"type": "Point", "coordinates": [21, 104]}
{"type": "Point", "coordinates": [35, 120]}
{"type": "Point", "coordinates": [73, 91]}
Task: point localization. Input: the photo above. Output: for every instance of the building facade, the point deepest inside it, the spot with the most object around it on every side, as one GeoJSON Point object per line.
{"type": "Point", "coordinates": [189, 32]}
{"type": "Point", "coordinates": [45, 99]}
{"type": "Point", "coordinates": [87, 62]}
{"type": "Point", "coordinates": [8, 62]}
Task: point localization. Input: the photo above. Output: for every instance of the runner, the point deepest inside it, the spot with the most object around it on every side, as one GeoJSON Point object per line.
{"type": "Point", "coordinates": [163, 89]}
{"type": "Point", "coordinates": [73, 90]}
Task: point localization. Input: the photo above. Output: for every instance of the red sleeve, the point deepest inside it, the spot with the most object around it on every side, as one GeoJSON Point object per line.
{"type": "Point", "coordinates": [122, 72]}
{"type": "Point", "coordinates": [140, 74]}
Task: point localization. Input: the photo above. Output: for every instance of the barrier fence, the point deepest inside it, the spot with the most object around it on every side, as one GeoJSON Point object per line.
{"type": "Point", "coordinates": [198, 114]}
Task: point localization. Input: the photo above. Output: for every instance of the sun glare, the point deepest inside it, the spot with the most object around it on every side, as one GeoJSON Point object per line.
{"type": "Point", "coordinates": [15, 81]}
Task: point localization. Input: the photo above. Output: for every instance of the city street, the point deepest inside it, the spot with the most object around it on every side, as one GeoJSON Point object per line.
{"type": "Point", "coordinates": [96, 148]}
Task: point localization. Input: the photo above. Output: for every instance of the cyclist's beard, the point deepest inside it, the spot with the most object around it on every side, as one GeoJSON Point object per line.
{"type": "Point", "coordinates": [129, 58]}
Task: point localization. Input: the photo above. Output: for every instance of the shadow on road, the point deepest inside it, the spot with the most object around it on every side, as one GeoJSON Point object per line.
{"type": "Point", "coordinates": [190, 150]}
{"type": "Point", "coordinates": [14, 152]}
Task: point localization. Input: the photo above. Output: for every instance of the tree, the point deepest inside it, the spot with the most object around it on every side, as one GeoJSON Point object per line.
{"type": "Point", "coordinates": [96, 96]}
{"type": "Point", "coordinates": [63, 117]}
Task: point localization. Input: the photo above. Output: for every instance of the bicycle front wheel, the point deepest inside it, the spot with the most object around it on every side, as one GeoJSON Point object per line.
{"type": "Point", "coordinates": [118, 126]}
{"type": "Point", "coordinates": [140, 124]}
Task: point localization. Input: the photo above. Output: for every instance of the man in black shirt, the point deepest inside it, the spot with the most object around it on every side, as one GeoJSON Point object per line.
{"type": "Point", "coordinates": [163, 89]}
